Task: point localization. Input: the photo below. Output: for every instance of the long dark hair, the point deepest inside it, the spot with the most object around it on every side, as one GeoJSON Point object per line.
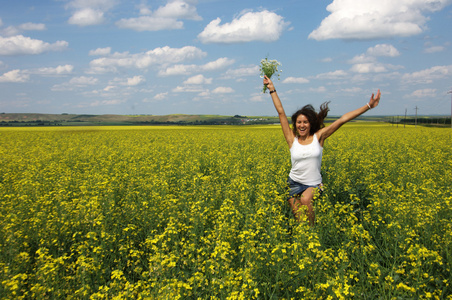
{"type": "Point", "coordinates": [315, 119]}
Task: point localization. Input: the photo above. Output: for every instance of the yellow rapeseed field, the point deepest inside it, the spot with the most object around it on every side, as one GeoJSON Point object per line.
{"type": "Point", "coordinates": [200, 213]}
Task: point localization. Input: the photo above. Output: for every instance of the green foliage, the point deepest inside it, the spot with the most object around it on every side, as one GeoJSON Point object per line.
{"type": "Point", "coordinates": [200, 213]}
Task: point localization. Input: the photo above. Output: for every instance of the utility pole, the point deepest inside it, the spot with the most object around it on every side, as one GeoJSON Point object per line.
{"type": "Point", "coordinates": [415, 120]}
{"type": "Point", "coordinates": [405, 119]}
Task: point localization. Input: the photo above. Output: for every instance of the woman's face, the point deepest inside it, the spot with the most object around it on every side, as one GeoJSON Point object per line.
{"type": "Point", "coordinates": [303, 126]}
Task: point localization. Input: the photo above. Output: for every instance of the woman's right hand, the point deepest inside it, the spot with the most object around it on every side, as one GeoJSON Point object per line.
{"type": "Point", "coordinates": [269, 83]}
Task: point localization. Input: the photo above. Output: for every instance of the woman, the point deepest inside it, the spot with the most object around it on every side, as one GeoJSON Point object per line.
{"type": "Point", "coordinates": [305, 141]}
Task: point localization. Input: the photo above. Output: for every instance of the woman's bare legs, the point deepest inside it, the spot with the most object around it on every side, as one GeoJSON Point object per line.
{"type": "Point", "coordinates": [305, 199]}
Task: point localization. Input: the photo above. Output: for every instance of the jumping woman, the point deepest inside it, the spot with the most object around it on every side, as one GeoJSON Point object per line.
{"type": "Point", "coordinates": [305, 140]}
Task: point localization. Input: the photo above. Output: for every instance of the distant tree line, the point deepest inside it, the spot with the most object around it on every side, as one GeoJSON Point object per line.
{"type": "Point", "coordinates": [421, 120]}
{"type": "Point", "coordinates": [236, 120]}
{"type": "Point", "coordinates": [32, 123]}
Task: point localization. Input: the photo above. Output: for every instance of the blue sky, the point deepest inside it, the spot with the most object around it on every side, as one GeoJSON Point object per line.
{"type": "Point", "coordinates": [202, 57]}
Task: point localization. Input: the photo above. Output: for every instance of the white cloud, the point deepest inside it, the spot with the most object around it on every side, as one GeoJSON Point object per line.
{"type": "Point", "coordinates": [361, 59]}
{"type": "Point", "coordinates": [144, 9]}
{"type": "Point", "coordinates": [129, 82]}
{"type": "Point", "coordinates": [89, 12]}
{"type": "Point", "coordinates": [32, 26]}
{"type": "Point", "coordinates": [434, 49]}
{"type": "Point", "coordinates": [198, 79]}
{"type": "Point", "coordinates": [164, 18]}
{"type": "Point", "coordinates": [295, 80]}
{"type": "Point", "coordinates": [353, 90]}
{"type": "Point", "coordinates": [24, 75]}
{"type": "Point", "coordinates": [204, 95]}
{"type": "Point", "coordinates": [320, 89]}
{"type": "Point", "coordinates": [179, 70]}
{"type": "Point", "coordinates": [338, 74]}
{"type": "Point", "coordinates": [178, 9]}
{"type": "Point", "coordinates": [87, 17]}
{"type": "Point", "coordinates": [423, 93]}
{"type": "Point", "coordinates": [148, 23]}
{"type": "Point", "coordinates": [107, 102]}
{"type": "Point", "coordinates": [15, 30]}
{"type": "Point", "coordinates": [158, 56]}
{"type": "Point", "coordinates": [373, 52]}
{"type": "Point", "coordinates": [20, 45]}
{"type": "Point", "coordinates": [223, 90]}
{"type": "Point", "coordinates": [80, 4]}
{"type": "Point", "coordinates": [241, 72]}
{"type": "Point", "coordinates": [218, 64]}
{"type": "Point", "coordinates": [367, 62]}
{"type": "Point", "coordinates": [188, 69]}
{"type": "Point", "coordinates": [428, 75]}
{"type": "Point", "coordinates": [100, 51]}
{"type": "Point", "coordinates": [83, 81]}
{"type": "Point", "coordinates": [248, 26]}
{"type": "Point", "coordinates": [10, 31]}
{"type": "Point", "coordinates": [383, 50]}
{"type": "Point", "coordinates": [258, 98]}
{"type": "Point", "coordinates": [161, 96]}
{"type": "Point", "coordinates": [369, 19]}
{"type": "Point", "coordinates": [189, 89]}
{"type": "Point", "coordinates": [368, 68]}
{"type": "Point", "coordinates": [14, 76]}
{"type": "Point", "coordinates": [48, 71]}
{"type": "Point", "coordinates": [135, 80]}
{"type": "Point", "coordinates": [109, 88]}
{"type": "Point", "coordinates": [76, 82]}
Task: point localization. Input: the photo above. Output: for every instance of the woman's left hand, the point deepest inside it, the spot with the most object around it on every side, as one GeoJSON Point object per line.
{"type": "Point", "coordinates": [373, 102]}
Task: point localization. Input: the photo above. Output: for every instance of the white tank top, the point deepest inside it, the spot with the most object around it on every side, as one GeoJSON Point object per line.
{"type": "Point", "coordinates": [306, 162]}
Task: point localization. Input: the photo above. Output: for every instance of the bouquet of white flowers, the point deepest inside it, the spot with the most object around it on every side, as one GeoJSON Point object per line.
{"type": "Point", "coordinates": [269, 67]}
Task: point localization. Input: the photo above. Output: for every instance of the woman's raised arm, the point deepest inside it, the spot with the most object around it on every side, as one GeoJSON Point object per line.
{"type": "Point", "coordinates": [329, 130]}
{"type": "Point", "coordinates": [288, 134]}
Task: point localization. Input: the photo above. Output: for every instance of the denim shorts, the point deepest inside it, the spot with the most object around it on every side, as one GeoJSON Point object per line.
{"type": "Point", "coordinates": [296, 188]}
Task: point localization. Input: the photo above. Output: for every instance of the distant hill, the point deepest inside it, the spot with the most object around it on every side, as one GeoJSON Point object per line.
{"type": "Point", "coordinates": [33, 119]}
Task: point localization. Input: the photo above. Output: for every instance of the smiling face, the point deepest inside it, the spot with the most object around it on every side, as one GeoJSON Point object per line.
{"type": "Point", "coordinates": [303, 126]}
